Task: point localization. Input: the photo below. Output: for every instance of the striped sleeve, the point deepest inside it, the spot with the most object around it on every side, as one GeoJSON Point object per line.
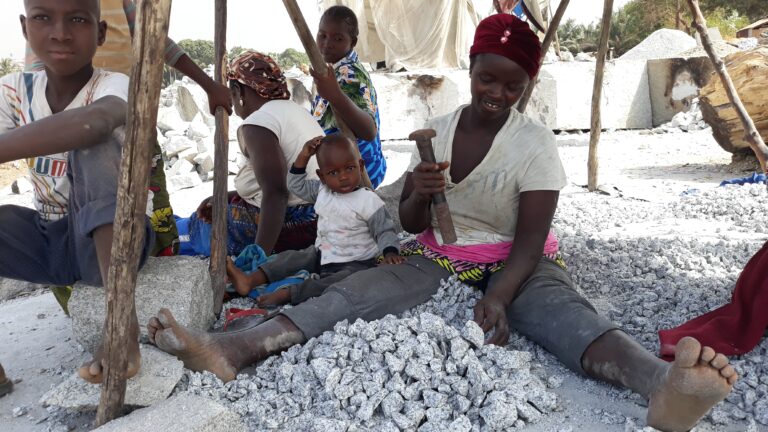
{"type": "Point", "coordinates": [9, 113]}
{"type": "Point", "coordinates": [173, 51]}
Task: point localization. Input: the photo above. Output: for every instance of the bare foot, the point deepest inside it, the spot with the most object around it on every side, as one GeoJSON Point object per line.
{"type": "Point", "coordinates": [242, 282]}
{"type": "Point", "coordinates": [93, 371]}
{"type": "Point", "coordinates": [697, 380]}
{"type": "Point", "coordinates": [198, 350]}
{"type": "Point", "coordinates": [279, 297]}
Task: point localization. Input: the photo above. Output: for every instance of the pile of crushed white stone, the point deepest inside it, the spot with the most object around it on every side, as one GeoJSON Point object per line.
{"type": "Point", "coordinates": [641, 263]}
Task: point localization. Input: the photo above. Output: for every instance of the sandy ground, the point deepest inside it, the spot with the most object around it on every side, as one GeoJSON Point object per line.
{"type": "Point", "coordinates": [10, 172]}
{"type": "Point", "coordinates": [37, 345]}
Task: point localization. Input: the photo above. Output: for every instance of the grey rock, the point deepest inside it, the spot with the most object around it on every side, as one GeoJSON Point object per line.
{"type": "Point", "coordinates": [181, 284]}
{"type": "Point", "coordinates": [182, 413]}
{"type": "Point", "coordinates": [11, 288]}
{"type": "Point", "coordinates": [159, 374]}
{"type": "Point", "coordinates": [392, 404]}
{"type": "Point", "coordinates": [473, 334]}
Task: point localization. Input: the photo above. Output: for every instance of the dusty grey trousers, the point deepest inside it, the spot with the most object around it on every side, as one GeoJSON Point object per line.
{"type": "Point", "coordinates": [287, 263]}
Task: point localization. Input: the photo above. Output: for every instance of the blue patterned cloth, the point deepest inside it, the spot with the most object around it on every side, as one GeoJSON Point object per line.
{"type": "Point", "coordinates": [357, 85]}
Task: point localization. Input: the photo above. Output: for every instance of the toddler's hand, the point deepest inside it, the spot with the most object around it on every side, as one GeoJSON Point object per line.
{"type": "Point", "coordinates": [393, 258]}
{"type": "Point", "coordinates": [310, 147]}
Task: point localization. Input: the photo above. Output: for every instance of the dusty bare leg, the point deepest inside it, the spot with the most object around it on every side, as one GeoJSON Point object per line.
{"type": "Point", "coordinates": [242, 282]}
{"type": "Point", "coordinates": [679, 393]}
{"type": "Point", "coordinates": [279, 297]}
{"type": "Point", "coordinates": [93, 370]}
{"type": "Point", "coordinates": [225, 353]}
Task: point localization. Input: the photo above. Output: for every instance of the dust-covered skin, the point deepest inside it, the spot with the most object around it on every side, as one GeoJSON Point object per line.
{"type": "Point", "coordinates": [698, 379]}
{"type": "Point", "coordinates": [93, 371]}
{"type": "Point", "coordinates": [223, 354]}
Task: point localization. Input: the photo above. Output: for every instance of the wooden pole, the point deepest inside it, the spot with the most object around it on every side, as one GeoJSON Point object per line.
{"type": "Point", "coordinates": [129, 225]}
{"type": "Point", "coordinates": [320, 66]}
{"type": "Point", "coordinates": [548, 37]}
{"type": "Point", "coordinates": [557, 39]}
{"type": "Point", "coordinates": [597, 93]}
{"type": "Point", "coordinates": [751, 135]}
{"type": "Point", "coordinates": [218, 263]}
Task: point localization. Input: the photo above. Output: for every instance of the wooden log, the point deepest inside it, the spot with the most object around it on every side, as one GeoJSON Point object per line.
{"type": "Point", "coordinates": [748, 71]}
{"type": "Point", "coordinates": [320, 66]}
{"type": "Point", "coordinates": [597, 92]}
{"type": "Point", "coordinates": [548, 37]}
{"type": "Point", "coordinates": [218, 263]}
{"type": "Point", "coordinates": [129, 226]}
{"type": "Point", "coordinates": [751, 136]}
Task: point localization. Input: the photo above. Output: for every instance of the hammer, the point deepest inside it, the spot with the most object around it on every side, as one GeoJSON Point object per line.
{"type": "Point", "coordinates": [423, 138]}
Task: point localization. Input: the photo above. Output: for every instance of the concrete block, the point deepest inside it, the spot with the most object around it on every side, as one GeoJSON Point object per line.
{"type": "Point", "coordinates": [563, 96]}
{"type": "Point", "coordinates": [674, 83]}
{"type": "Point", "coordinates": [407, 100]}
{"type": "Point", "coordinates": [181, 413]}
{"type": "Point", "coordinates": [183, 181]}
{"type": "Point", "coordinates": [181, 284]}
{"type": "Point", "coordinates": [11, 288]}
{"type": "Point", "coordinates": [191, 100]}
{"type": "Point", "coordinates": [158, 376]}
{"type": "Point", "coordinates": [168, 119]}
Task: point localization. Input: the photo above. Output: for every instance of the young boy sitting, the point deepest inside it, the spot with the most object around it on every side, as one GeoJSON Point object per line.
{"type": "Point", "coordinates": [69, 107]}
{"type": "Point", "coordinates": [353, 226]}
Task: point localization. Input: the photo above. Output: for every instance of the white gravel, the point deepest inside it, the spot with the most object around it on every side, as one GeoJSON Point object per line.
{"type": "Point", "coordinates": [647, 264]}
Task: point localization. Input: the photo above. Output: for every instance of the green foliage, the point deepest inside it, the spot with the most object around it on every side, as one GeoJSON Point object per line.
{"type": "Point", "coordinates": [200, 51]}
{"type": "Point", "coordinates": [728, 21]}
{"type": "Point", "coordinates": [7, 66]}
{"type": "Point", "coordinates": [637, 19]}
{"type": "Point", "coordinates": [290, 58]}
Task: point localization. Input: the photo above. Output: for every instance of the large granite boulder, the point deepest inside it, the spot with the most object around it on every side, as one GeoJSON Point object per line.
{"type": "Point", "coordinates": [181, 284]}
{"type": "Point", "coordinates": [182, 413]}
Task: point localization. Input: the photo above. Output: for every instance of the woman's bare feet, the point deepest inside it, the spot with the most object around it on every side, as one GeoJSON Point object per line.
{"type": "Point", "coordinates": [198, 350]}
{"type": "Point", "coordinates": [697, 380]}
{"type": "Point", "coordinates": [279, 297]}
{"type": "Point", "coordinates": [93, 371]}
{"type": "Point", "coordinates": [242, 282]}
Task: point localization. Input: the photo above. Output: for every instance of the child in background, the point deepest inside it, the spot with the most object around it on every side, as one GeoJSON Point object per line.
{"type": "Point", "coordinates": [348, 89]}
{"type": "Point", "coordinates": [353, 226]}
{"type": "Point", "coordinates": [75, 108]}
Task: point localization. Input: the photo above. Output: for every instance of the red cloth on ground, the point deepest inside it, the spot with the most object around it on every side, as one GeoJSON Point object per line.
{"type": "Point", "coordinates": [735, 328]}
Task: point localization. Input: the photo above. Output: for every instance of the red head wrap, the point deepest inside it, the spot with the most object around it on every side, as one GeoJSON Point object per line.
{"type": "Point", "coordinates": [508, 36]}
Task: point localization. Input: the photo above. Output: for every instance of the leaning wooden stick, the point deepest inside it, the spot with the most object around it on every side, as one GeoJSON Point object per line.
{"type": "Point", "coordinates": [423, 138]}
{"type": "Point", "coordinates": [218, 264]}
{"type": "Point", "coordinates": [597, 93]}
{"type": "Point", "coordinates": [320, 66]}
{"type": "Point", "coordinates": [129, 225]}
{"type": "Point", "coordinates": [548, 37]}
{"type": "Point", "coordinates": [752, 136]}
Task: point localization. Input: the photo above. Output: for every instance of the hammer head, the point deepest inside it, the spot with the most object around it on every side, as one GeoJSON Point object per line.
{"type": "Point", "coordinates": [422, 135]}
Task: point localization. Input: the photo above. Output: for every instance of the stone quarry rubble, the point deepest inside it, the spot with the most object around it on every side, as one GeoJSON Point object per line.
{"type": "Point", "coordinates": [428, 370]}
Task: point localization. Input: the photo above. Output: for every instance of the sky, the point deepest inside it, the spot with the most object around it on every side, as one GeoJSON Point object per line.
{"type": "Point", "coordinates": [266, 28]}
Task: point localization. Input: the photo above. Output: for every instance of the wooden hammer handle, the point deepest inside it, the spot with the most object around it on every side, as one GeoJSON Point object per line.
{"type": "Point", "coordinates": [423, 140]}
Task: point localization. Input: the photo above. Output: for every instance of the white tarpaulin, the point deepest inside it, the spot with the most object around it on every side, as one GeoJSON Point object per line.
{"type": "Point", "coordinates": [414, 34]}
{"type": "Point", "coordinates": [418, 34]}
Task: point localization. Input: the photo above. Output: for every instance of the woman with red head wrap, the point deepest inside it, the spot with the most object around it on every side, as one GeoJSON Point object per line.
{"type": "Point", "coordinates": [501, 174]}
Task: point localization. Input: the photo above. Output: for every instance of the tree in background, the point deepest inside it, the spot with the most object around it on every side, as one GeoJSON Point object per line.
{"type": "Point", "coordinates": [201, 51]}
{"type": "Point", "coordinates": [7, 66]}
{"type": "Point", "coordinates": [637, 19]}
